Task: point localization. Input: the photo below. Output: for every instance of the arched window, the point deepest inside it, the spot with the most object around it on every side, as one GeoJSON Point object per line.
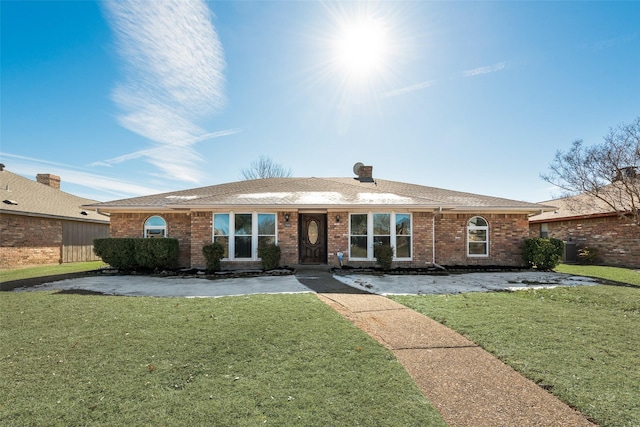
{"type": "Point", "coordinates": [477, 237]}
{"type": "Point", "coordinates": [155, 226]}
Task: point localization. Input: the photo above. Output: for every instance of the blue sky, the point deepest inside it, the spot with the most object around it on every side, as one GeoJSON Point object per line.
{"type": "Point", "coordinates": [123, 99]}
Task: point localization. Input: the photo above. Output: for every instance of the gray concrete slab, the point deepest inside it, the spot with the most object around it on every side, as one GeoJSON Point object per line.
{"type": "Point", "coordinates": [176, 286]}
{"type": "Point", "coordinates": [314, 281]}
{"type": "Point", "coordinates": [461, 283]}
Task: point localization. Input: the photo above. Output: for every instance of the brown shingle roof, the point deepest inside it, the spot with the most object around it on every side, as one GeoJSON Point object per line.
{"type": "Point", "coordinates": [22, 196]}
{"type": "Point", "coordinates": [584, 205]}
{"type": "Point", "coordinates": [330, 193]}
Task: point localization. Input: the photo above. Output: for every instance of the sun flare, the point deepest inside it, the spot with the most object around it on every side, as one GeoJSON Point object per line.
{"type": "Point", "coordinates": [361, 48]}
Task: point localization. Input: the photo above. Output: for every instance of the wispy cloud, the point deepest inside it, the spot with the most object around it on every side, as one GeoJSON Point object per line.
{"type": "Point", "coordinates": [29, 166]}
{"type": "Point", "coordinates": [429, 83]}
{"type": "Point", "coordinates": [408, 89]}
{"type": "Point", "coordinates": [609, 43]}
{"type": "Point", "coordinates": [159, 151]}
{"type": "Point", "coordinates": [486, 70]}
{"type": "Point", "coordinates": [174, 75]}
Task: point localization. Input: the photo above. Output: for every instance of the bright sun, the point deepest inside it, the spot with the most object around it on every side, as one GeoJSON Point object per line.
{"type": "Point", "coordinates": [361, 48]}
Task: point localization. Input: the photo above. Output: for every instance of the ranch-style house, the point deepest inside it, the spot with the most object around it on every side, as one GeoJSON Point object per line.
{"type": "Point", "coordinates": [320, 220]}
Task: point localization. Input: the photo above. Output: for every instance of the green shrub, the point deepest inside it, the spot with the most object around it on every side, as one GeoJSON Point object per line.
{"type": "Point", "coordinates": [270, 255]}
{"type": "Point", "coordinates": [129, 253]}
{"type": "Point", "coordinates": [588, 256]}
{"type": "Point", "coordinates": [384, 256]}
{"type": "Point", "coordinates": [543, 254]}
{"type": "Point", "coordinates": [213, 253]}
{"type": "Point", "coordinates": [157, 254]}
{"type": "Point", "coordinates": [559, 244]}
{"type": "Point", "coordinates": [118, 253]}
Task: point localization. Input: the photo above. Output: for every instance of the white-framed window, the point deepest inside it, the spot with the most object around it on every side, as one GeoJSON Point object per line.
{"type": "Point", "coordinates": [221, 231]}
{"type": "Point", "coordinates": [544, 230]}
{"type": "Point", "coordinates": [477, 237]}
{"type": "Point", "coordinates": [387, 228]}
{"type": "Point", "coordinates": [155, 226]}
{"type": "Point", "coordinates": [242, 234]}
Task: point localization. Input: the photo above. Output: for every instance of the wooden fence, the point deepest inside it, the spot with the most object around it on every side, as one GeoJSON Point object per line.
{"type": "Point", "coordinates": [77, 240]}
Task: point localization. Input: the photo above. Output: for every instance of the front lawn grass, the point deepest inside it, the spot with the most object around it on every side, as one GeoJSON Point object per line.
{"type": "Point", "coordinates": [580, 343]}
{"type": "Point", "coordinates": [48, 270]}
{"type": "Point", "coordinates": [235, 361]}
{"type": "Point", "coordinates": [615, 274]}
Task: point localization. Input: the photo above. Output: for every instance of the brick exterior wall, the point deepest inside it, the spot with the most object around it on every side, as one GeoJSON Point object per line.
{"type": "Point", "coordinates": [194, 230]}
{"type": "Point", "coordinates": [617, 241]}
{"type": "Point", "coordinates": [337, 238]}
{"type": "Point", "coordinates": [201, 235]}
{"type": "Point", "coordinates": [507, 233]}
{"type": "Point", "coordinates": [178, 227]}
{"type": "Point", "coordinates": [29, 241]}
{"type": "Point", "coordinates": [288, 237]}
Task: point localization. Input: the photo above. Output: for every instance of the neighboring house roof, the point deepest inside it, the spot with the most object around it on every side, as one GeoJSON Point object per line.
{"type": "Point", "coordinates": [324, 193]}
{"type": "Point", "coordinates": [576, 207]}
{"type": "Point", "coordinates": [22, 196]}
{"type": "Point", "coordinates": [588, 206]}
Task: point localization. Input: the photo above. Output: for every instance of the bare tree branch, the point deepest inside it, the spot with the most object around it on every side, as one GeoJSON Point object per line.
{"type": "Point", "coordinates": [606, 173]}
{"type": "Point", "coordinates": [264, 167]}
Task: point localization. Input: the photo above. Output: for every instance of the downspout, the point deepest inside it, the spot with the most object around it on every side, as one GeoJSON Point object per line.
{"type": "Point", "coordinates": [433, 239]}
{"type": "Point", "coordinates": [433, 236]}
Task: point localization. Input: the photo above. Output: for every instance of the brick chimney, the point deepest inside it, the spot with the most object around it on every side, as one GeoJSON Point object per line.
{"type": "Point", "coordinates": [365, 174]}
{"type": "Point", "coordinates": [52, 181]}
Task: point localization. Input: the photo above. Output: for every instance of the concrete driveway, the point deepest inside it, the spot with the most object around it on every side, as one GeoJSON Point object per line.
{"type": "Point", "coordinates": [314, 281]}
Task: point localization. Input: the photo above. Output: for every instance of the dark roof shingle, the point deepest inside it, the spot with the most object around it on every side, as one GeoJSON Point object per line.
{"type": "Point", "coordinates": [318, 192]}
{"type": "Point", "coordinates": [22, 196]}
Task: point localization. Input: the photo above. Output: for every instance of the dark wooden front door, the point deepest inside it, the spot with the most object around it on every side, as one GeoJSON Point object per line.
{"type": "Point", "coordinates": [313, 238]}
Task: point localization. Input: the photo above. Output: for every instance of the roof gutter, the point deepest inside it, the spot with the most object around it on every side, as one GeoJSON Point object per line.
{"type": "Point", "coordinates": [65, 218]}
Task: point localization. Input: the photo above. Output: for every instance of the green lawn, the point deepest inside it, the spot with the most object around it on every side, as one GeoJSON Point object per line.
{"type": "Point", "coordinates": [48, 270]}
{"type": "Point", "coordinates": [616, 274]}
{"type": "Point", "coordinates": [580, 343]}
{"type": "Point", "coordinates": [236, 361]}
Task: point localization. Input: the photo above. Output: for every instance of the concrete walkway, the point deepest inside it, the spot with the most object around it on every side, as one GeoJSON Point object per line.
{"type": "Point", "coordinates": [466, 384]}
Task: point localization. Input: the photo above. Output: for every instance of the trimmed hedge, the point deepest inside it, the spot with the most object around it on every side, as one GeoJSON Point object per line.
{"type": "Point", "coordinates": [213, 253]}
{"type": "Point", "coordinates": [543, 254]}
{"type": "Point", "coordinates": [270, 256]}
{"type": "Point", "coordinates": [131, 253]}
{"type": "Point", "coordinates": [384, 256]}
{"type": "Point", "coordinates": [157, 253]}
{"type": "Point", "coordinates": [118, 253]}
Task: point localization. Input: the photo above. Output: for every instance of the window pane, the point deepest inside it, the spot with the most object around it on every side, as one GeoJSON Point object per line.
{"type": "Point", "coordinates": [476, 248]}
{"type": "Point", "coordinates": [403, 224]}
{"type": "Point", "coordinates": [243, 246]}
{"type": "Point", "coordinates": [477, 235]}
{"type": "Point", "coordinates": [381, 224]}
{"type": "Point", "coordinates": [382, 240]}
{"type": "Point", "coordinates": [243, 224]}
{"type": "Point", "coordinates": [155, 232]}
{"type": "Point", "coordinates": [359, 225]}
{"type": "Point", "coordinates": [155, 221]}
{"type": "Point", "coordinates": [477, 221]}
{"type": "Point", "coordinates": [403, 247]}
{"type": "Point", "coordinates": [358, 247]}
{"type": "Point", "coordinates": [224, 241]}
{"type": "Point", "coordinates": [266, 224]}
{"type": "Point", "coordinates": [221, 225]}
